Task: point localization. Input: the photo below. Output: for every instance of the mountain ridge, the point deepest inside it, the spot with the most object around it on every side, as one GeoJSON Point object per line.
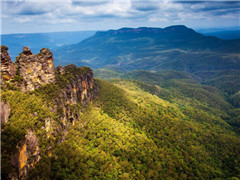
{"type": "Point", "coordinates": [149, 48]}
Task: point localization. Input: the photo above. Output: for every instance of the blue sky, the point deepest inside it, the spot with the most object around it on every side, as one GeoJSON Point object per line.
{"type": "Point", "coordinates": [28, 16]}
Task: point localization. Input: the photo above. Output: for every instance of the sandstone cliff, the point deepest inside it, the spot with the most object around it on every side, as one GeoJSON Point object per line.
{"type": "Point", "coordinates": [5, 112]}
{"type": "Point", "coordinates": [8, 68]}
{"type": "Point", "coordinates": [67, 88]}
{"type": "Point", "coordinates": [27, 155]}
{"type": "Point", "coordinates": [77, 88]}
{"type": "Point", "coordinates": [36, 70]}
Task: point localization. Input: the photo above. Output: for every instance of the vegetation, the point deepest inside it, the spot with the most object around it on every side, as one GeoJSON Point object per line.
{"type": "Point", "coordinates": [179, 118]}
{"type": "Point", "coordinates": [28, 111]}
{"type": "Point", "coordinates": [132, 130]}
{"type": "Point", "coordinates": [128, 133]}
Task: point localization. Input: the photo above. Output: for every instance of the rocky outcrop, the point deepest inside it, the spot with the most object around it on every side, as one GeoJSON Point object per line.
{"type": "Point", "coordinates": [79, 89]}
{"type": "Point", "coordinates": [8, 68]}
{"type": "Point", "coordinates": [28, 154]}
{"type": "Point", "coordinates": [30, 71]}
{"type": "Point", "coordinates": [36, 70]}
{"type": "Point", "coordinates": [48, 126]}
{"type": "Point", "coordinates": [60, 69]}
{"type": "Point", "coordinates": [5, 112]}
{"type": "Point", "coordinates": [71, 89]}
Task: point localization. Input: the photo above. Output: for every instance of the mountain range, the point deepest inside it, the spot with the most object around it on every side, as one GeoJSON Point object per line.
{"type": "Point", "coordinates": [175, 47]}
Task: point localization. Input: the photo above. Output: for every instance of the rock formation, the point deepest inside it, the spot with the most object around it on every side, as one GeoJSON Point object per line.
{"type": "Point", "coordinates": [28, 154]}
{"type": "Point", "coordinates": [60, 69]}
{"type": "Point", "coordinates": [5, 112]}
{"type": "Point", "coordinates": [74, 89]}
{"type": "Point", "coordinates": [8, 68]}
{"type": "Point", "coordinates": [78, 89]}
{"type": "Point", "coordinates": [36, 70]}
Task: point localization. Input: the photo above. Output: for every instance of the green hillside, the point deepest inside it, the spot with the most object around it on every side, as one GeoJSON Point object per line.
{"type": "Point", "coordinates": [226, 81]}
{"type": "Point", "coordinates": [215, 88]}
{"type": "Point", "coordinates": [132, 130]}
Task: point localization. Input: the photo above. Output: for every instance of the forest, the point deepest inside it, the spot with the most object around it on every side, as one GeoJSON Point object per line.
{"type": "Point", "coordinates": [137, 127]}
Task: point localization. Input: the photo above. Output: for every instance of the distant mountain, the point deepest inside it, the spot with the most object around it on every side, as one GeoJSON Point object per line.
{"type": "Point", "coordinates": [37, 41]}
{"type": "Point", "coordinates": [224, 34]}
{"type": "Point", "coordinates": [175, 47]}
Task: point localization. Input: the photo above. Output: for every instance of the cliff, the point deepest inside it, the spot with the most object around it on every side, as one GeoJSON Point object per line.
{"type": "Point", "coordinates": [27, 155]}
{"type": "Point", "coordinates": [76, 86]}
{"type": "Point", "coordinates": [5, 112]}
{"type": "Point", "coordinates": [65, 90]}
{"type": "Point", "coordinates": [8, 68]}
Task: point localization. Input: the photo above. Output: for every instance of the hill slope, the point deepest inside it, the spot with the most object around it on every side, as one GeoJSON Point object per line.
{"type": "Point", "coordinates": [128, 133]}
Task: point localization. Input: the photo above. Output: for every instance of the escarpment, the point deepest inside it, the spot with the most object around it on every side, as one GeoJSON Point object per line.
{"type": "Point", "coordinates": [64, 90]}
{"type": "Point", "coordinates": [31, 72]}
{"type": "Point", "coordinates": [76, 87]}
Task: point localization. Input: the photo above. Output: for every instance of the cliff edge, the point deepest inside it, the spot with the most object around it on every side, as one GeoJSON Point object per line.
{"type": "Point", "coordinates": [63, 93]}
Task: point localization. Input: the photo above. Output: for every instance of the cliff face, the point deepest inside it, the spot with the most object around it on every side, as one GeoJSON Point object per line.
{"type": "Point", "coordinates": [79, 84]}
{"type": "Point", "coordinates": [27, 155]}
{"type": "Point", "coordinates": [78, 89]}
{"type": "Point", "coordinates": [36, 70]}
{"type": "Point", "coordinates": [74, 89]}
{"type": "Point", "coordinates": [8, 68]}
{"type": "Point", "coordinates": [5, 112]}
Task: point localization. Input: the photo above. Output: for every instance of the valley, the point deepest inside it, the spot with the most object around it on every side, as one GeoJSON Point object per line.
{"type": "Point", "coordinates": [133, 103]}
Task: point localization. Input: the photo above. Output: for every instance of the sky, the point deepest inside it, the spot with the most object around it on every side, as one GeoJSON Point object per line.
{"type": "Point", "coordinates": [30, 16]}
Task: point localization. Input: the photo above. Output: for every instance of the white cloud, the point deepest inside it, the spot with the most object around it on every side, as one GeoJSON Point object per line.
{"type": "Point", "coordinates": [91, 13]}
{"type": "Point", "coordinates": [158, 19]}
{"type": "Point", "coordinates": [23, 20]}
{"type": "Point", "coordinates": [198, 6]}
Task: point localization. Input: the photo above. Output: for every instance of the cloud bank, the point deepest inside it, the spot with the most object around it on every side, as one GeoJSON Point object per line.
{"type": "Point", "coordinates": [76, 15]}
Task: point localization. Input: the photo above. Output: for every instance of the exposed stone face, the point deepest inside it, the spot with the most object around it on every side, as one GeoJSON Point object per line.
{"type": "Point", "coordinates": [5, 112]}
{"type": "Point", "coordinates": [61, 69]}
{"type": "Point", "coordinates": [79, 90]}
{"type": "Point", "coordinates": [26, 157]}
{"type": "Point", "coordinates": [36, 70]}
{"type": "Point", "coordinates": [8, 68]}
{"type": "Point", "coordinates": [33, 72]}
